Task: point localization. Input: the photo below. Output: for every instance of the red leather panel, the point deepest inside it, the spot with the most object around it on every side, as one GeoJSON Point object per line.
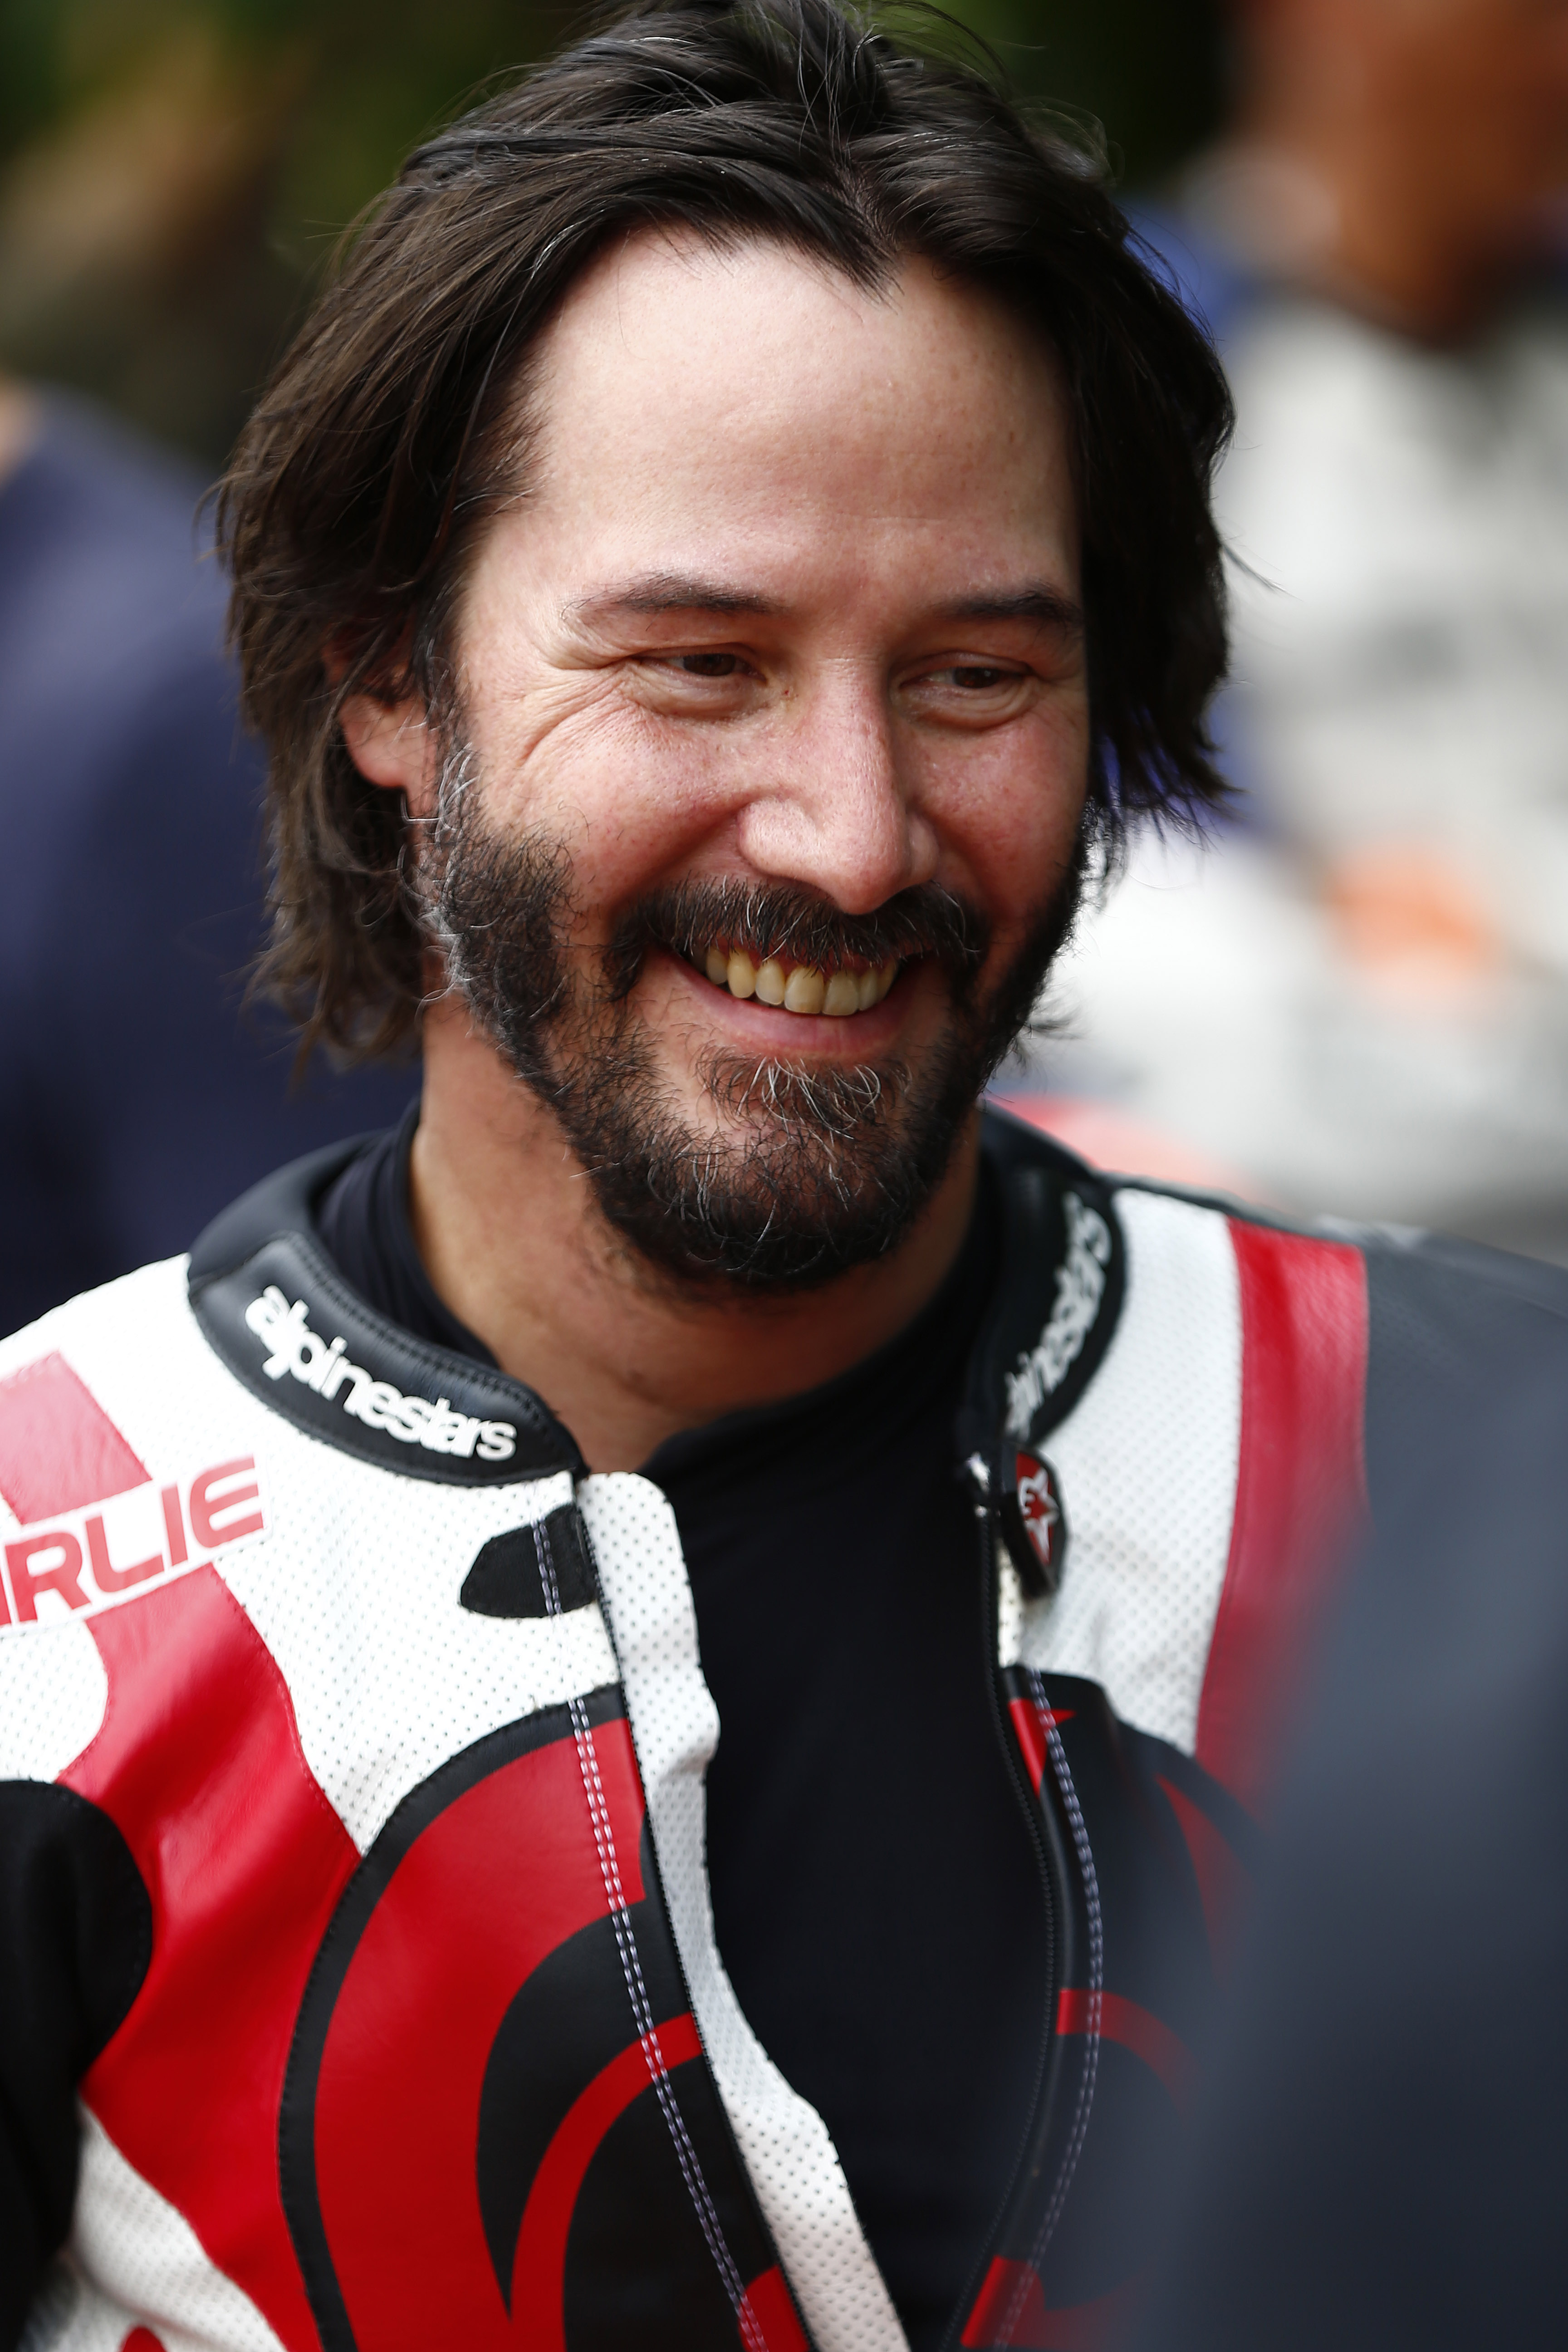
{"type": "Point", "coordinates": [502, 1877]}
{"type": "Point", "coordinates": [47, 1563]}
{"type": "Point", "coordinates": [1030, 1725]}
{"type": "Point", "coordinates": [198, 1760]}
{"type": "Point", "coordinates": [59, 1448]}
{"type": "Point", "coordinates": [106, 1576]}
{"type": "Point", "coordinates": [1300, 1487]}
{"type": "Point", "coordinates": [1132, 2028]}
{"type": "Point", "coordinates": [1010, 2311]}
{"type": "Point", "coordinates": [767, 2316]}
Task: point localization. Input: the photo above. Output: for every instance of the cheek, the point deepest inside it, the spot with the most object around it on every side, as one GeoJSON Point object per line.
{"type": "Point", "coordinates": [1009, 822]}
{"type": "Point", "coordinates": [631, 804]}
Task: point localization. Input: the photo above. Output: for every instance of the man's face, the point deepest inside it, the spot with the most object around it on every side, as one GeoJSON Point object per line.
{"type": "Point", "coordinates": [770, 684]}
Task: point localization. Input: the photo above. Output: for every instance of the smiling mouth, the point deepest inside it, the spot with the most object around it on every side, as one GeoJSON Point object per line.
{"type": "Point", "coordinates": [838, 990]}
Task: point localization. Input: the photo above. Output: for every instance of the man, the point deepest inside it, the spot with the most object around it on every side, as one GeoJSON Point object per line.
{"type": "Point", "coordinates": [1362, 1000]}
{"type": "Point", "coordinates": [635, 1708]}
{"type": "Point", "coordinates": [139, 1095]}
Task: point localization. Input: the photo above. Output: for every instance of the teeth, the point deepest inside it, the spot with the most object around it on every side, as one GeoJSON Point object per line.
{"type": "Point", "coordinates": [805, 990]}
{"type": "Point", "coordinates": [802, 990]}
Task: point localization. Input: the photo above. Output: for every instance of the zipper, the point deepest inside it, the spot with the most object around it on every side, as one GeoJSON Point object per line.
{"type": "Point", "coordinates": [976, 1475]}
{"type": "Point", "coordinates": [751, 2334]}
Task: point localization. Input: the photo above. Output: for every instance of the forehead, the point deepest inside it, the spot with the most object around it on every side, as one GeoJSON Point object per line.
{"type": "Point", "coordinates": [687, 395]}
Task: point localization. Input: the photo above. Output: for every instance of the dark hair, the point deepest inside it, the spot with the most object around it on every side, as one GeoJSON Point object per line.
{"type": "Point", "coordinates": [382, 446]}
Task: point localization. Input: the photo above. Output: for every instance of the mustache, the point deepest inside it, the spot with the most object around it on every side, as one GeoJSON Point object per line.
{"type": "Point", "coordinates": [779, 919]}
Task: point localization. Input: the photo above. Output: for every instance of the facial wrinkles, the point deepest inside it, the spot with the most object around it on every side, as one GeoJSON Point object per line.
{"type": "Point", "coordinates": [797, 1172]}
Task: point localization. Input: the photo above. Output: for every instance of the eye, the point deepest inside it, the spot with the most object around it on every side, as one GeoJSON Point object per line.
{"type": "Point", "coordinates": [706, 665]}
{"type": "Point", "coordinates": [965, 690]}
{"type": "Point", "coordinates": [973, 677]}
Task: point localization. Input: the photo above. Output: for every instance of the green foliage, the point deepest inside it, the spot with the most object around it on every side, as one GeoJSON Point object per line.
{"type": "Point", "coordinates": [173, 174]}
{"type": "Point", "coordinates": [1145, 73]}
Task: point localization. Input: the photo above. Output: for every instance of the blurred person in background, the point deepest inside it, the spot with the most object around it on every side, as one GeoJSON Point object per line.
{"type": "Point", "coordinates": [137, 1093]}
{"type": "Point", "coordinates": [1380, 2165]}
{"type": "Point", "coordinates": [1359, 999]}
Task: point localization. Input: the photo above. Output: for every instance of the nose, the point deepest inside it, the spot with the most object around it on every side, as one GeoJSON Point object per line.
{"type": "Point", "coordinates": [839, 813]}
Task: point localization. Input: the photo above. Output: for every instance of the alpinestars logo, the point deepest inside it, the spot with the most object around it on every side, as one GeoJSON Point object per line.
{"type": "Point", "coordinates": [1033, 1522]}
{"type": "Point", "coordinates": [1080, 1286]}
{"type": "Point", "coordinates": [293, 1347]}
{"type": "Point", "coordinates": [1040, 1510]}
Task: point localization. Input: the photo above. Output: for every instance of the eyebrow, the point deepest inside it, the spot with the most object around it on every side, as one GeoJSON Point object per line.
{"type": "Point", "coordinates": [1033, 603]}
{"type": "Point", "coordinates": [674, 591]}
{"type": "Point", "coordinates": [671, 591]}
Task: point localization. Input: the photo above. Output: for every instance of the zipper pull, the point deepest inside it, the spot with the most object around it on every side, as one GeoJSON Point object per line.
{"type": "Point", "coordinates": [1033, 1522]}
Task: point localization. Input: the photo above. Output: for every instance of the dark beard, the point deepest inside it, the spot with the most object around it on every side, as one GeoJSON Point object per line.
{"type": "Point", "coordinates": [811, 1171]}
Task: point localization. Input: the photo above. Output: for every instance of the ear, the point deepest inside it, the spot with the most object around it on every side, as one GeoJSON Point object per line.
{"type": "Point", "coordinates": [392, 745]}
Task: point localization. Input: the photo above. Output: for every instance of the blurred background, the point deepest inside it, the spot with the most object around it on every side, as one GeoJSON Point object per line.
{"type": "Point", "coordinates": [173, 173]}
{"type": "Point", "coordinates": [1354, 1000]}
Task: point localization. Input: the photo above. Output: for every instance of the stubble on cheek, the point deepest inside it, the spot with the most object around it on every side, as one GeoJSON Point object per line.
{"type": "Point", "coordinates": [715, 1165]}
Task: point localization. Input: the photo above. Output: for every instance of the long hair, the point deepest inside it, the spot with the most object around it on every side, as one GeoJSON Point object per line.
{"type": "Point", "coordinates": [388, 435]}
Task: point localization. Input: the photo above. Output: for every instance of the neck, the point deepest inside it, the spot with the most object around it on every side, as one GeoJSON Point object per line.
{"type": "Point", "coordinates": [510, 1234]}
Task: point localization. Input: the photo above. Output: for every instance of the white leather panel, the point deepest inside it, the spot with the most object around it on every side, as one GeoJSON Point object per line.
{"type": "Point", "coordinates": [140, 2254]}
{"type": "Point", "coordinates": [1147, 1464]}
{"type": "Point", "coordinates": [790, 2157]}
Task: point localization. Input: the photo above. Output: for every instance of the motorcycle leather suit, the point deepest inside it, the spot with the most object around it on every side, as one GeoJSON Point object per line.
{"type": "Point", "coordinates": [352, 1741]}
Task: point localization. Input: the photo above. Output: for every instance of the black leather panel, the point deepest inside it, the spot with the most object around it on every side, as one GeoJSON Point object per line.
{"type": "Point", "coordinates": [289, 1327]}
{"type": "Point", "coordinates": [76, 1938]}
{"type": "Point", "coordinates": [539, 1571]}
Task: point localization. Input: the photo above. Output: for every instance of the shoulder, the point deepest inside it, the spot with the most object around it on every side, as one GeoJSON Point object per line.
{"type": "Point", "coordinates": [128, 1315]}
{"type": "Point", "coordinates": [1261, 1337]}
{"type": "Point", "coordinates": [110, 601]}
{"type": "Point", "coordinates": [1250, 1385]}
{"type": "Point", "coordinates": [92, 1390]}
{"type": "Point", "coordinates": [92, 489]}
{"type": "Point", "coordinates": [1450, 1324]}
{"type": "Point", "coordinates": [117, 686]}
{"type": "Point", "coordinates": [1373, 1331]}
{"type": "Point", "coordinates": [1430, 1305]}
{"type": "Point", "coordinates": [91, 1397]}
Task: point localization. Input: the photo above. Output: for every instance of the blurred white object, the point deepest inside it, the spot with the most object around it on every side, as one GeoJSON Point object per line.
{"type": "Point", "coordinates": [1407, 677]}
{"type": "Point", "coordinates": [1367, 1011]}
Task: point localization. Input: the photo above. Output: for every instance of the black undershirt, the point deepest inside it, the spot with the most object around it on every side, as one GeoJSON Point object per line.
{"type": "Point", "coordinates": [876, 1894]}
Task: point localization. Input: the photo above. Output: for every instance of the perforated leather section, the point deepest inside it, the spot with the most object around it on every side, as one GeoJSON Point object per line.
{"type": "Point", "coordinates": [141, 2256]}
{"type": "Point", "coordinates": [389, 1674]}
{"type": "Point", "coordinates": [1147, 1464]}
{"type": "Point", "coordinates": [794, 2168]}
{"type": "Point", "coordinates": [53, 1690]}
{"type": "Point", "coordinates": [135, 1346]}
{"type": "Point", "coordinates": [353, 1582]}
